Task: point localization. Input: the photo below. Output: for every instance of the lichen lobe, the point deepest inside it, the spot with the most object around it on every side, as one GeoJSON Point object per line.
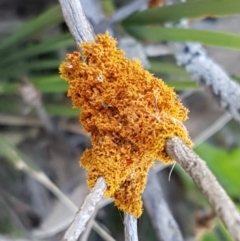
{"type": "Point", "coordinates": [129, 113]}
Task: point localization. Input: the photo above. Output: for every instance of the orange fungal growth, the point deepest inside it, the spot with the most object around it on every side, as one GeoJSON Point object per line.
{"type": "Point", "coordinates": [129, 113]}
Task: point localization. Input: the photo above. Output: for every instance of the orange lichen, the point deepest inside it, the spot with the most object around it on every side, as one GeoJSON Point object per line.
{"type": "Point", "coordinates": [129, 113]}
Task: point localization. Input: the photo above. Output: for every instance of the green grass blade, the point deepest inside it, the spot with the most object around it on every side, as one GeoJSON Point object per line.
{"type": "Point", "coordinates": [47, 79]}
{"type": "Point", "coordinates": [167, 68]}
{"type": "Point", "coordinates": [237, 78]}
{"type": "Point", "coordinates": [8, 88]}
{"type": "Point", "coordinates": [62, 110]}
{"type": "Point", "coordinates": [12, 107]}
{"type": "Point", "coordinates": [51, 84]}
{"type": "Point", "coordinates": [48, 45]}
{"type": "Point", "coordinates": [43, 64]}
{"type": "Point", "coordinates": [190, 9]}
{"type": "Point", "coordinates": [48, 18]}
{"type": "Point", "coordinates": [224, 164]}
{"type": "Point", "coordinates": [217, 39]}
{"type": "Point", "coordinates": [183, 85]}
{"type": "Point", "coordinates": [47, 85]}
{"type": "Point", "coordinates": [52, 88]}
{"type": "Point", "coordinates": [14, 158]}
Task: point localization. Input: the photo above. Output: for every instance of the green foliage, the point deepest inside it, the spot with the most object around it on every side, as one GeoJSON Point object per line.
{"type": "Point", "coordinates": [14, 157]}
{"type": "Point", "coordinates": [157, 33]}
{"type": "Point", "coordinates": [50, 17]}
{"type": "Point", "coordinates": [218, 234]}
{"type": "Point", "coordinates": [108, 7]}
{"type": "Point", "coordinates": [51, 84]}
{"type": "Point", "coordinates": [183, 85]}
{"type": "Point", "coordinates": [167, 68]}
{"type": "Point", "coordinates": [48, 45]}
{"type": "Point", "coordinates": [189, 9]}
{"type": "Point", "coordinates": [30, 52]}
{"type": "Point", "coordinates": [226, 167]}
{"type": "Point", "coordinates": [25, 61]}
{"type": "Point", "coordinates": [62, 110]}
{"type": "Point", "coordinates": [224, 164]}
{"type": "Point", "coordinates": [6, 225]}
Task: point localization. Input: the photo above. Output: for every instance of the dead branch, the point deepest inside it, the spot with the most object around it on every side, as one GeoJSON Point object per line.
{"type": "Point", "coordinates": [164, 224]}
{"type": "Point", "coordinates": [77, 22]}
{"type": "Point", "coordinates": [207, 182]}
{"type": "Point", "coordinates": [86, 210]}
{"type": "Point", "coordinates": [32, 97]}
{"type": "Point", "coordinates": [208, 73]}
{"type": "Point", "coordinates": [130, 227]}
{"type": "Point", "coordinates": [127, 10]}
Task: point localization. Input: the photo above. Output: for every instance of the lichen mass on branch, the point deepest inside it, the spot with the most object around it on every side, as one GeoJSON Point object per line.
{"type": "Point", "coordinates": [129, 113]}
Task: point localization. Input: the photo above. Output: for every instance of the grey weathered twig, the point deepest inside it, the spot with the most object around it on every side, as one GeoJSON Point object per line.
{"type": "Point", "coordinates": [82, 31]}
{"type": "Point", "coordinates": [153, 196]}
{"type": "Point", "coordinates": [77, 22]}
{"type": "Point", "coordinates": [32, 97]}
{"type": "Point", "coordinates": [212, 129]}
{"type": "Point", "coordinates": [6, 238]}
{"type": "Point", "coordinates": [130, 227]}
{"type": "Point", "coordinates": [165, 225]}
{"type": "Point", "coordinates": [207, 182]}
{"type": "Point", "coordinates": [207, 72]}
{"type": "Point", "coordinates": [127, 10]}
{"type": "Point", "coordinates": [86, 210]}
{"type": "Point", "coordinates": [19, 163]}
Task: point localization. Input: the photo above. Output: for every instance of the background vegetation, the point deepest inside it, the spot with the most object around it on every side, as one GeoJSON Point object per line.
{"type": "Point", "coordinates": [35, 160]}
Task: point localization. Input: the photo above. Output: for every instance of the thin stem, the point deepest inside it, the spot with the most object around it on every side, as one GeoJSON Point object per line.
{"type": "Point", "coordinates": [130, 227]}
{"type": "Point", "coordinates": [212, 129]}
{"type": "Point", "coordinates": [162, 219]}
{"type": "Point", "coordinates": [207, 182]}
{"type": "Point", "coordinates": [86, 210]}
{"type": "Point", "coordinates": [76, 20]}
{"type": "Point", "coordinates": [127, 10]}
{"type": "Point", "coordinates": [82, 31]}
{"type": "Point", "coordinates": [32, 97]}
{"type": "Point", "coordinates": [207, 72]}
